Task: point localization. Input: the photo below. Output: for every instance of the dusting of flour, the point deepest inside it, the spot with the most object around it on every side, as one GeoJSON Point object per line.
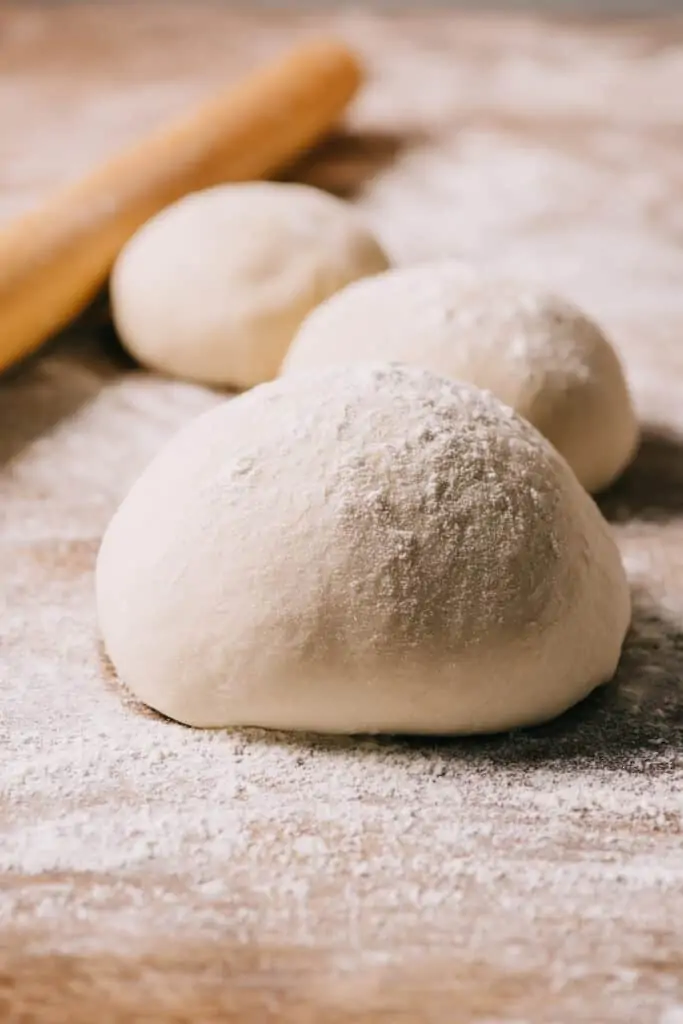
{"type": "Point", "coordinates": [555, 853]}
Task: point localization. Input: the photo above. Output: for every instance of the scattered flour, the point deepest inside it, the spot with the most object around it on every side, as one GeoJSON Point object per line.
{"type": "Point", "coordinates": [556, 852]}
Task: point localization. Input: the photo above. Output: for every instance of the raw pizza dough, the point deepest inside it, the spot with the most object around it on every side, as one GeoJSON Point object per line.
{"type": "Point", "coordinates": [215, 286]}
{"type": "Point", "coordinates": [362, 549]}
{"type": "Point", "coordinates": [535, 351]}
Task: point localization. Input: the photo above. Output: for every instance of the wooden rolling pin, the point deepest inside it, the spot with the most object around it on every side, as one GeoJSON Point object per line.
{"type": "Point", "coordinates": [54, 260]}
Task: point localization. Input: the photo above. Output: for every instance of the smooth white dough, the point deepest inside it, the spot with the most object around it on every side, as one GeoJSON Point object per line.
{"type": "Point", "coordinates": [532, 349]}
{"type": "Point", "coordinates": [215, 286]}
{"type": "Point", "coordinates": [370, 548]}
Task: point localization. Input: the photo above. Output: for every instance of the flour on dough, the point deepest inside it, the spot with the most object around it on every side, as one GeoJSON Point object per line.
{"type": "Point", "coordinates": [535, 351]}
{"type": "Point", "coordinates": [215, 286]}
{"type": "Point", "coordinates": [361, 549]}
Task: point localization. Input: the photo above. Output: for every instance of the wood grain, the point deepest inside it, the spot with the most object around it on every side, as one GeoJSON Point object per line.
{"type": "Point", "coordinates": [151, 872]}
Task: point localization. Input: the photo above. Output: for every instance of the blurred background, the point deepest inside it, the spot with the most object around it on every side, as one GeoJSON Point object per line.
{"type": "Point", "coordinates": [565, 7]}
{"type": "Point", "coordinates": [562, 6]}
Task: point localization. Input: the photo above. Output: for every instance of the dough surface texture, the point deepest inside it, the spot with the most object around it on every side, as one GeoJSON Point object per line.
{"type": "Point", "coordinates": [214, 287]}
{"type": "Point", "coordinates": [371, 548]}
{"type": "Point", "coordinates": [535, 351]}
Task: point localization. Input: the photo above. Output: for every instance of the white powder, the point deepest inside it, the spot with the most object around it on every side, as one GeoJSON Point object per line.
{"type": "Point", "coordinates": [557, 854]}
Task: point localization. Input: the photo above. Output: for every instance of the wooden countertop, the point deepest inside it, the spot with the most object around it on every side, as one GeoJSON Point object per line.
{"type": "Point", "coordinates": [151, 872]}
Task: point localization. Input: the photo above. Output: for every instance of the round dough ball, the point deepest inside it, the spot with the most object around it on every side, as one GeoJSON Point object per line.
{"type": "Point", "coordinates": [215, 286]}
{"type": "Point", "coordinates": [533, 350]}
{"type": "Point", "coordinates": [364, 549]}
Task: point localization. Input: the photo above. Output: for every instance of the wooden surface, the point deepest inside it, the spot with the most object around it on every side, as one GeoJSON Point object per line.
{"type": "Point", "coordinates": [156, 873]}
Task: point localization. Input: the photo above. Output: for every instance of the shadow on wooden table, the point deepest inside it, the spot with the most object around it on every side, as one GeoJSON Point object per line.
{"type": "Point", "coordinates": [641, 710]}
{"type": "Point", "coordinates": [652, 486]}
{"type": "Point", "coordinates": [346, 160]}
{"type": "Point", "coordinates": [47, 388]}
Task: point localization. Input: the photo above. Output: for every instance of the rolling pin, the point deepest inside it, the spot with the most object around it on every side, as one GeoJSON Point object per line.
{"type": "Point", "coordinates": [54, 260]}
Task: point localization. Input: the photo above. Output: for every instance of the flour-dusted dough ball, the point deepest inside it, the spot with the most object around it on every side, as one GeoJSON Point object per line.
{"type": "Point", "coordinates": [215, 286]}
{"type": "Point", "coordinates": [535, 351]}
{"type": "Point", "coordinates": [363, 549]}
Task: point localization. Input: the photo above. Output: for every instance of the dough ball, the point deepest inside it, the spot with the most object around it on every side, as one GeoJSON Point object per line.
{"type": "Point", "coordinates": [363, 549]}
{"type": "Point", "coordinates": [533, 350]}
{"type": "Point", "coordinates": [215, 286]}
